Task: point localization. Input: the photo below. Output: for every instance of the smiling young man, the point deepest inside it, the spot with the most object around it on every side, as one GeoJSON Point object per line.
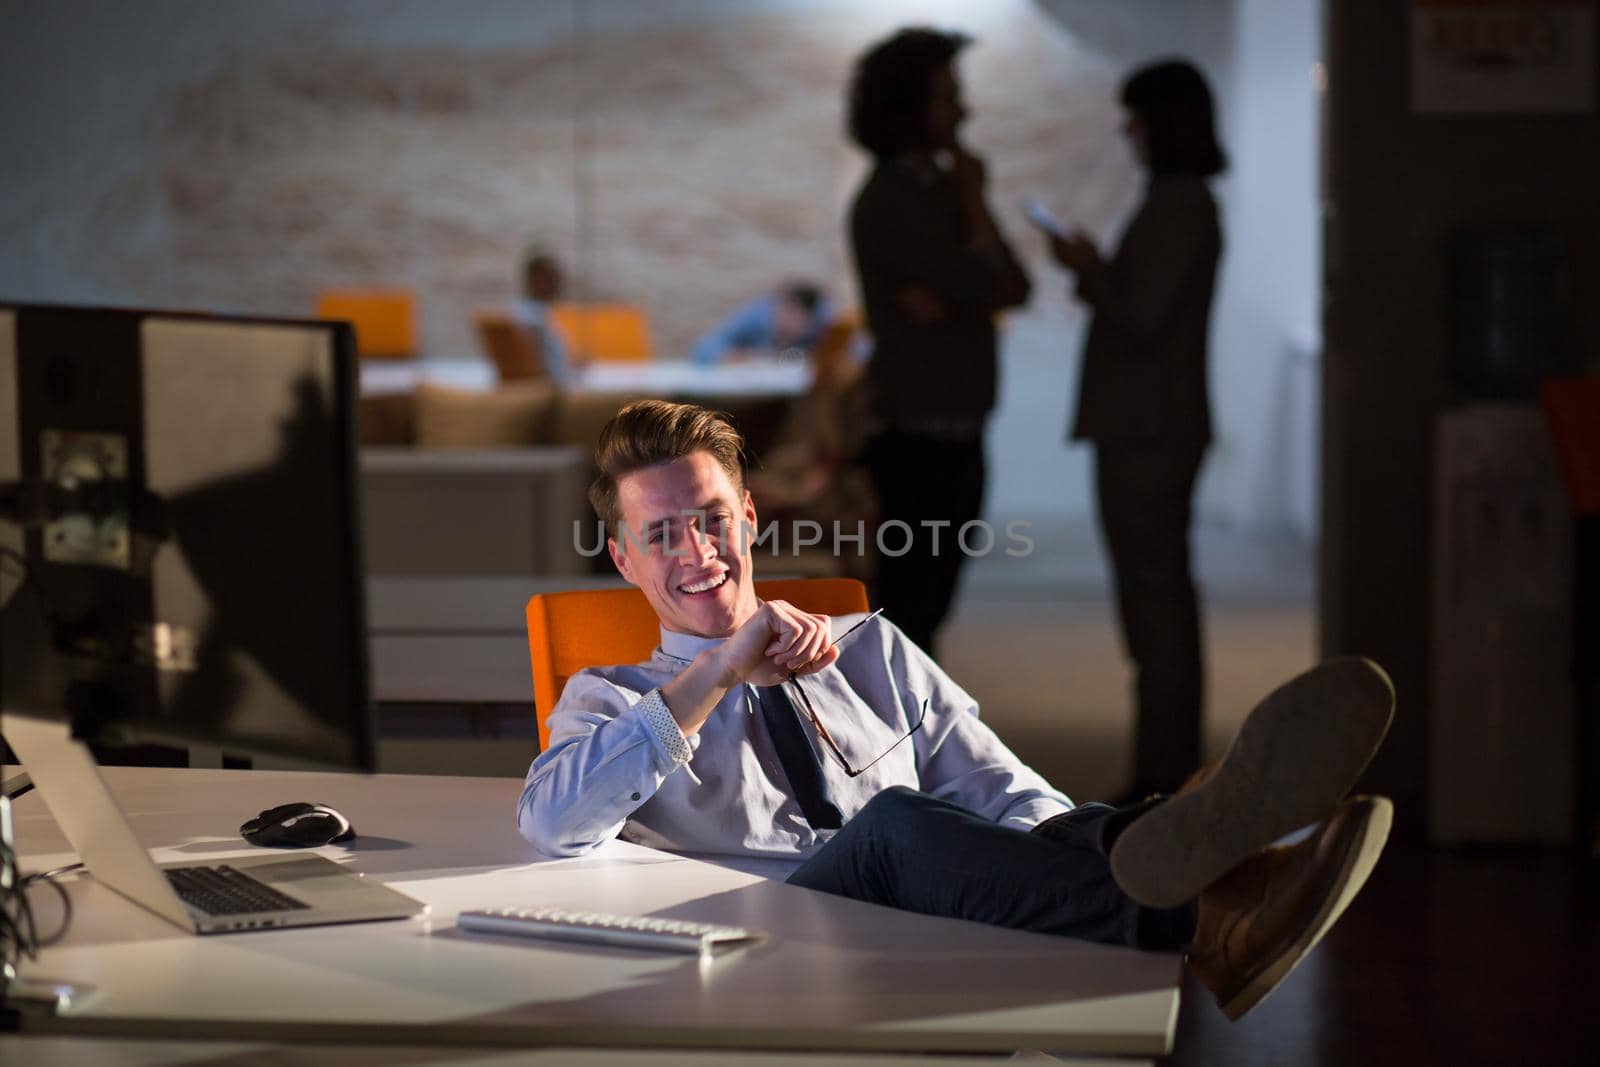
{"type": "Point", "coordinates": [898, 794]}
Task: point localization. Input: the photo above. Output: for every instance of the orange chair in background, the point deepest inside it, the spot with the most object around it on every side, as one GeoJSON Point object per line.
{"type": "Point", "coordinates": [508, 346]}
{"type": "Point", "coordinates": [601, 627]}
{"type": "Point", "coordinates": [605, 332]}
{"type": "Point", "coordinates": [832, 363]}
{"type": "Point", "coordinates": [385, 319]}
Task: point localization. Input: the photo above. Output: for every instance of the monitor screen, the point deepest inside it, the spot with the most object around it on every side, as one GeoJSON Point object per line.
{"type": "Point", "coordinates": [181, 532]}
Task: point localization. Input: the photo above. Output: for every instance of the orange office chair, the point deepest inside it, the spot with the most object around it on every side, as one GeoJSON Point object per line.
{"type": "Point", "coordinates": [832, 367]}
{"type": "Point", "coordinates": [596, 627]}
{"type": "Point", "coordinates": [606, 332]}
{"type": "Point", "coordinates": [385, 319]}
{"type": "Point", "coordinates": [508, 346]}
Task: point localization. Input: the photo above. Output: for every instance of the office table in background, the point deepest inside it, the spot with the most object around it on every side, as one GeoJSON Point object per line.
{"type": "Point", "coordinates": [757, 377]}
{"type": "Point", "coordinates": [759, 393]}
{"type": "Point", "coordinates": [833, 974]}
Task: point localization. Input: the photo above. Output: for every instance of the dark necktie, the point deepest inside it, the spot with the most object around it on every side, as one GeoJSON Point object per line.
{"type": "Point", "coordinates": [798, 758]}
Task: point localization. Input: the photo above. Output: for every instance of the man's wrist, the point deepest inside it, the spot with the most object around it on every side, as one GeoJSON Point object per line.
{"type": "Point", "coordinates": [723, 674]}
{"type": "Point", "coordinates": [692, 695]}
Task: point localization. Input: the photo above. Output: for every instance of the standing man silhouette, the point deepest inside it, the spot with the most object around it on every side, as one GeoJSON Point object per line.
{"type": "Point", "coordinates": [935, 270]}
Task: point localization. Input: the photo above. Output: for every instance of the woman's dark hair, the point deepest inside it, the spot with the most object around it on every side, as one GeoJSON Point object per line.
{"type": "Point", "coordinates": [1172, 100]}
{"type": "Point", "coordinates": [889, 91]}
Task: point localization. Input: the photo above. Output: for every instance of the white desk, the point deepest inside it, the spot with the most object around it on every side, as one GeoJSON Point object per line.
{"type": "Point", "coordinates": [834, 974]}
{"type": "Point", "coordinates": [128, 1052]}
{"type": "Point", "coordinates": [748, 378]}
{"type": "Point", "coordinates": [658, 377]}
{"type": "Point", "coordinates": [403, 375]}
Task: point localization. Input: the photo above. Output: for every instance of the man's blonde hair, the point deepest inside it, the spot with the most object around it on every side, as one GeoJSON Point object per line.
{"type": "Point", "coordinates": [648, 432]}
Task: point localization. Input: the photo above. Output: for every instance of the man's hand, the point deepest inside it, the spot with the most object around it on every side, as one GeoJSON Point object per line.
{"type": "Point", "coordinates": [778, 641]}
{"type": "Point", "coordinates": [970, 171]}
{"type": "Point", "coordinates": [970, 175]}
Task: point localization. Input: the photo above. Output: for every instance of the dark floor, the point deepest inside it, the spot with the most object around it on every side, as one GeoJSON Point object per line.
{"type": "Point", "coordinates": [1454, 957]}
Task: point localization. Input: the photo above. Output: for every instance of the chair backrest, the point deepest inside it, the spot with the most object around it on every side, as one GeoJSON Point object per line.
{"type": "Point", "coordinates": [385, 320]}
{"type": "Point", "coordinates": [831, 362]}
{"type": "Point", "coordinates": [508, 346]}
{"type": "Point", "coordinates": [600, 627]}
{"type": "Point", "coordinates": [606, 332]}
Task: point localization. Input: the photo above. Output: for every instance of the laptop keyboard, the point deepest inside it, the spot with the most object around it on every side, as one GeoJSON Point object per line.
{"type": "Point", "coordinates": [223, 890]}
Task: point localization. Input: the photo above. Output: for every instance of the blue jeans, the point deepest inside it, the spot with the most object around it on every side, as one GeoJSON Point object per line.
{"type": "Point", "coordinates": [911, 851]}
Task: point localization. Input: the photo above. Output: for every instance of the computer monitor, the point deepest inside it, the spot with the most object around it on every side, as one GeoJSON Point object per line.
{"type": "Point", "coordinates": [179, 517]}
{"type": "Point", "coordinates": [178, 527]}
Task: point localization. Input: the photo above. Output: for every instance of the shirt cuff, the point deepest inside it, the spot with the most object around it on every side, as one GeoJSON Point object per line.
{"type": "Point", "coordinates": [665, 727]}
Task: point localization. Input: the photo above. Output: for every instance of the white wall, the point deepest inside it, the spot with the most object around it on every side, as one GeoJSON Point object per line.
{"type": "Point", "coordinates": [1266, 336]}
{"type": "Point", "coordinates": [1258, 55]}
{"type": "Point", "coordinates": [682, 154]}
{"type": "Point", "coordinates": [1035, 473]}
{"type": "Point", "coordinates": [97, 197]}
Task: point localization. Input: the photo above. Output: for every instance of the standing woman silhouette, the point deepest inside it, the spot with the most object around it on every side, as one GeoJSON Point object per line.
{"type": "Point", "coordinates": [1142, 402]}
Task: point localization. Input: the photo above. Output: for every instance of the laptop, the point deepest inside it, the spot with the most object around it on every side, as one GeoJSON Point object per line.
{"type": "Point", "coordinates": [262, 892]}
{"type": "Point", "coordinates": [220, 895]}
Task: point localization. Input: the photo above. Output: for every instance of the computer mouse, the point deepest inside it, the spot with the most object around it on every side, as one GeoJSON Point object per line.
{"type": "Point", "coordinates": [297, 825]}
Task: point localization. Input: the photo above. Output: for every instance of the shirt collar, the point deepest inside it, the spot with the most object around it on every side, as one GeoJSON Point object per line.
{"type": "Point", "coordinates": [686, 647]}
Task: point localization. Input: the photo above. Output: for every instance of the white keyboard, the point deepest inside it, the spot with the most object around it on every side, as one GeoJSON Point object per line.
{"type": "Point", "coordinates": [671, 935]}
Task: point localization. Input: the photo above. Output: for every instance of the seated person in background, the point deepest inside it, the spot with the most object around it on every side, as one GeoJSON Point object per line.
{"type": "Point", "coordinates": [541, 287]}
{"type": "Point", "coordinates": [897, 794]}
{"type": "Point", "coordinates": [792, 318]}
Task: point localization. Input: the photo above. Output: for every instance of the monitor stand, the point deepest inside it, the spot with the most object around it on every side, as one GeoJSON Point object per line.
{"type": "Point", "coordinates": [69, 780]}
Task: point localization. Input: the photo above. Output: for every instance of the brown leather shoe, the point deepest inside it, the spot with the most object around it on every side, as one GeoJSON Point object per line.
{"type": "Point", "coordinates": [1295, 756]}
{"type": "Point", "coordinates": [1263, 917]}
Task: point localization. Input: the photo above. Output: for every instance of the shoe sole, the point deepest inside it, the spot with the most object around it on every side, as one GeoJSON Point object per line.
{"type": "Point", "coordinates": [1356, 865]}
{"type": "Point", "coordinates": [1295, 757]}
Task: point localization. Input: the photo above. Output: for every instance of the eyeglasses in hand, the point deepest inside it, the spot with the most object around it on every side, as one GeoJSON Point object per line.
{"type": "Point", "coordinates": [833, 746]}
{"type": "Point", "coordinates": [822, 731]}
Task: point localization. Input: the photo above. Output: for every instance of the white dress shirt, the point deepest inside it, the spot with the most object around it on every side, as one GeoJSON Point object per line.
{"type": "Point", "coordinates": [617, 763]}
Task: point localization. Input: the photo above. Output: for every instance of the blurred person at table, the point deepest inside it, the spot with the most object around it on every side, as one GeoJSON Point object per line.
{"type": "Point", "coordinates": [934, 270]}
{"type": "Point", "coordinates": [541, 288]}
{"type": "Point", "coordinates": [790, 320]}
{"type": "Point", "coordinates": [1142, 402]}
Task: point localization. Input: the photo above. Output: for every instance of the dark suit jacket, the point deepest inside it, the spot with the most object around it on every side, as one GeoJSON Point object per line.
{"type": "Point", "coordinates": [1144, 363]}
{"type": "Point", "coordinates": [907, 231]}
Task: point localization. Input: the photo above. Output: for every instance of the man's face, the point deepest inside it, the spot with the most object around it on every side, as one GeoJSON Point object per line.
{"type": "Point", "coordinates": [946, 112]}
{"type": "Point", "coordinates": [686, 544]}
{"type": "Point", "coordinates": [1134, 129]}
